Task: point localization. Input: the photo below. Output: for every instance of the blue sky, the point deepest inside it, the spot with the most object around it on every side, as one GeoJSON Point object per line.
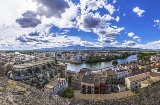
{"type": "Point", "coordinates": [36, 24]}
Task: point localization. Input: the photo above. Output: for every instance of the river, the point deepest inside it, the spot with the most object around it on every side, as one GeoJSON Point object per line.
{"type": "Point", "coordinates": [98, 65]}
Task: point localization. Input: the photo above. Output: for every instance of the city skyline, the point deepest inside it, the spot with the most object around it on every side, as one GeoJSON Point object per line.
{"type": "Point", "coordinates": [36, 24]}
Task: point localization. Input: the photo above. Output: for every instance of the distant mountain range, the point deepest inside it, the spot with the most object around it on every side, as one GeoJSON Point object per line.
{"type": "Point", "coordinates": [78, 47]}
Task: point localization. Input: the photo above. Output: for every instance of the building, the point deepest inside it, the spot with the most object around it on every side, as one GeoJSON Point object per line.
{"type": "Point", "coordinates": [95, 85]}
{"type": "Point", "coordinates": [155, 70]}
{"type": "Point", "coordinates": [136, 71]}
{"type": "Point", "coordinates": [83, 71]}
{"type": "Point", "coordinates": [76, 82]}
{"type": "Point", "coordinates": [121, 74]}
{"type": "Point", "coordinates": [78, 58]}
{"type": "Point", "coordinates": [111, 76]}
{"type": "Point", "coordinates": [133, 82]}
{"type": "Point", "coordinates": [56, 87]}
{"type": "Point", "coordinates": [121, 88]}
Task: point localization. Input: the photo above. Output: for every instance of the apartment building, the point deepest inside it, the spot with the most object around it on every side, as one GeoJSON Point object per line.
{"type": "Point", "coordinates": [137, 71]}
{"type": "Point", "coordinates": [111, 76]}
{"type": "Point", "coordinates": [121, 74]}
{"type": "Point", "coordinates": [133, 82]}
{"type": "Point", "coordinates": [95, 85]}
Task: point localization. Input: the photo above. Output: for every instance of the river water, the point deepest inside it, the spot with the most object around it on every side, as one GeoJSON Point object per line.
{"type": "Point", "coordinates": [99, 65]}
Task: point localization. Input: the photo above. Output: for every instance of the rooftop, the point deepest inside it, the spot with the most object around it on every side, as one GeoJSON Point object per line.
{"type": "Point", "coordinates": [138, 77]}
{"type": "Point", "coordinates": [54, 83]}
{"type": "Point", "coordinates": [94, 79]}
{"type": "Point", "coordinates": [146, 82]}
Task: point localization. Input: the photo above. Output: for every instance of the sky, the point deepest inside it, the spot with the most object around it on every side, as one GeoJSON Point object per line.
{"type": "Point", "coordinates": [36, 24]}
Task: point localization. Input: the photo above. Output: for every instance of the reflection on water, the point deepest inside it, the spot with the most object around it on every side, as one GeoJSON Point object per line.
{"type": "Point", "coordinates": [99, 65]}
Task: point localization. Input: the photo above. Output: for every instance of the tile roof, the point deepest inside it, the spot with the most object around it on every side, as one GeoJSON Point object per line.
{"type": "Point", "coordinates": [138, 77]}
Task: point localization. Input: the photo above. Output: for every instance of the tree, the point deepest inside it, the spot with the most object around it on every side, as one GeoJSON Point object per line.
{"type": "Point", "coordinates": [115, 63]}
{"type": "Point", "coordinates": [69, 80]}
{"type": "Point", "coordinates": [68, 93]}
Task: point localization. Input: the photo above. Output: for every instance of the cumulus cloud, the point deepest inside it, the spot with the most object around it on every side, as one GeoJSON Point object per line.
{"type": "Point", "coordinates": [130, 34]}
{"type": "Point", "coordinates": [28, 20]}
{"type": "Point", "coordinates": [34, 33]}
{"type": "Point", "coordinates": [22, 38]}
{"type": "Point", "coordinates": [117, 19]}
{"type": "Point", "coordinates": [110, 8]}
{"type": "Point", "coordinates": [138, 11]}
{"type": "Point", "coordinates": [152, 45]}
{"type": "Point", "coordinates": [51, 8]}
{"type": "Point", "coordinates": [105, 39]}
{"type": "Point", "coordinates": [136, 37]}
{"type": "Point", "coordinates": [114, 1]}
{"type": "Point", "coordinates": [109, 31]}
{"type": "Point", "coordinates": [139, 40]}
{"type": "Point", "coordinates": [36, 19]}
{"type": "Point", "coordinates": [90, 22]}
{"type": "Point", "coordinates": [65, 31]}
{"type": "Point", "coordinates": [67, 18]}
{"type": "Point", "coordinates": [128, 43]}
{"type": "Point", "coordinates": [50, 41]}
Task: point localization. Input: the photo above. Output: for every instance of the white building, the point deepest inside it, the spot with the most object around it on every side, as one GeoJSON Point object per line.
{"type": "Point", "coordinates": [121, 74]}
{"type": "Point", "coordinates": [155, 70]}
{"type": "Point", "coordinates": [56, 87]}
{"type": "Point", "coordinates": [133, 82]}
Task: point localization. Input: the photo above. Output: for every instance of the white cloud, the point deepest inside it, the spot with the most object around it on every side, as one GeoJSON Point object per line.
{"type": "Point", "coordinates": [128, 43]}
{"type": "Point", "coordinates": [136, 37]}
{"type": "Point", "coordinates": [65, 31]}
{"type": "Point", "coordinates": [110, 8]}
{"type": "Point", "coordinates": [124, 14]}
{"type": "Point", "coordinates": [152, 45]}
{"type": "Point", "coordinates": [108, 31]}
{"type": "Point", "coordinates": [70, 15]}
{"type": "Point", "coordinates": [139, 40]}
{"type": "Point", "coordinates": [131, 34]}
{"type": "Point", "coordinates": [114, 1]}
{"type": "Point", "coordinates": [117, 19]}
{"type": "Point", "coordinates": [138, 11]}
{"type": "Point", "coordinates": [157, 23]}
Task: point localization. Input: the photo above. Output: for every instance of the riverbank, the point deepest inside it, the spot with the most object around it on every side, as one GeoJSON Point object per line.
{"type": "Point", "coordinates": [98, 65]}
{"type": "Point", "coordinates": [95, 59]}
{"type": "Point", "coordinates": [69, 61]}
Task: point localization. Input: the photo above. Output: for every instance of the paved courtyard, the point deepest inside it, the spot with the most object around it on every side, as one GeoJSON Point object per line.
{"type": "Point", "coordinates": [79, 95]}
